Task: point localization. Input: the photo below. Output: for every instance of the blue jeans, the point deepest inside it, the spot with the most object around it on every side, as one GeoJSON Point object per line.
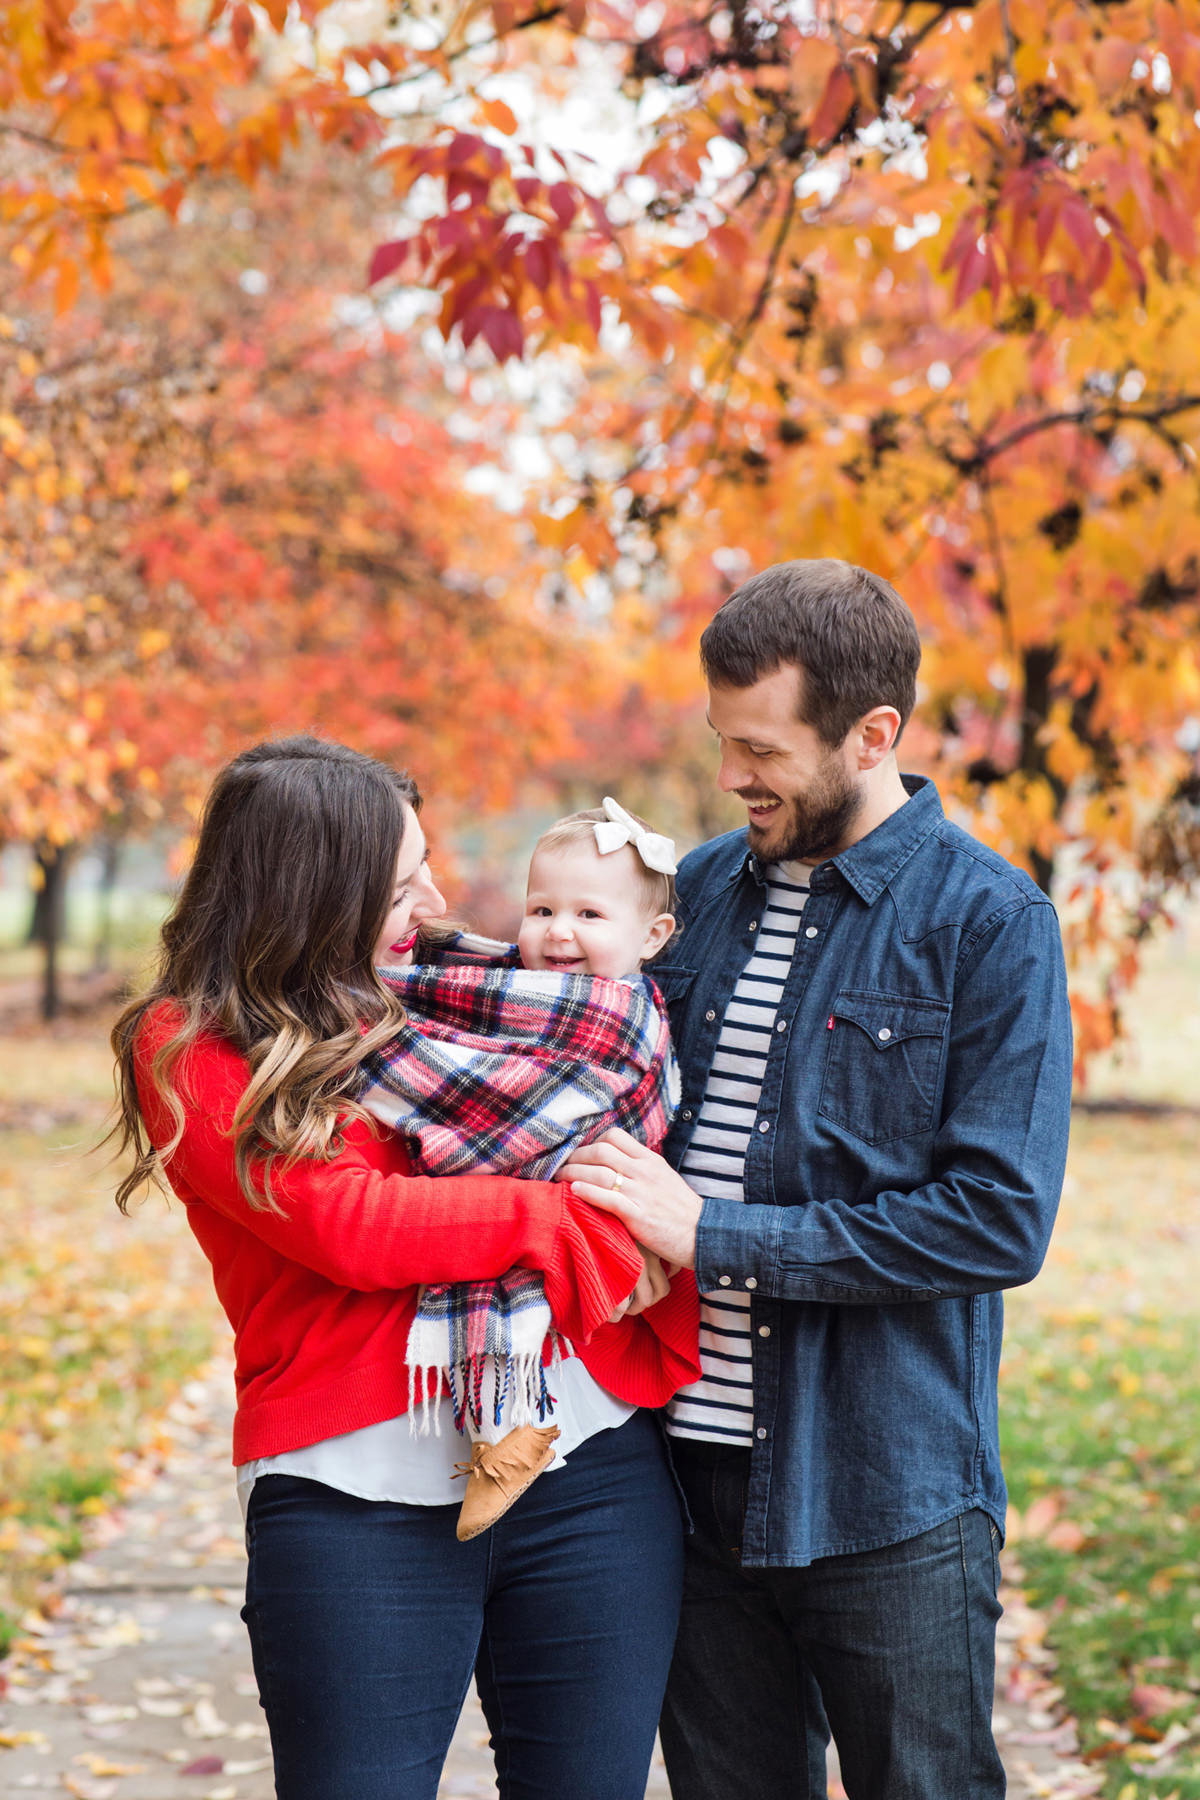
{"type": "Point", "coordinates": [367, 1620]}
{"type": "Point", "coordinates": [895, 1648]}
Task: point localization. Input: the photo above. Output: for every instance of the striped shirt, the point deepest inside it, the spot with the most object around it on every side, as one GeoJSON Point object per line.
{"type": "Point", "coordinates": [720, 1406]}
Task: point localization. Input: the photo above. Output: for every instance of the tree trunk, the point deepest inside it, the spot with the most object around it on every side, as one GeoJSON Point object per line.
{"type": "Point", "coordinates": [1039, 664]}
{"type": "Point", "coordinates": [110, 863]}
{"type": "Point", "coordinates": [48, 924]}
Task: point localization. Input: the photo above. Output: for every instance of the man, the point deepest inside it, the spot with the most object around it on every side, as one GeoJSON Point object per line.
{"type": "Point", "coordinates": [871, 1017]}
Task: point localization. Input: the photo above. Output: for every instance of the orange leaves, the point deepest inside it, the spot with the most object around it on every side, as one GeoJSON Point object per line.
{"type": "Point", "coordinates": [499, 115]}
{"type": "Point", "coordinates": [131, 110]}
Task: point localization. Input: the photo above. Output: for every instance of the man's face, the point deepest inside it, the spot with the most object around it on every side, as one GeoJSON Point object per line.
{"type": "Point", "coordinates": [802, 796]}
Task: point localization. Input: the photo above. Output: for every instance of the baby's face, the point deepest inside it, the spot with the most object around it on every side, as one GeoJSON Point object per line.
{"type": "Point", "coordinates": [585, 915]}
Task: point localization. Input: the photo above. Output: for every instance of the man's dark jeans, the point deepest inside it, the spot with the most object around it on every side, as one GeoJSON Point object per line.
{"type": "Point", "coordinates": [896, 1647]}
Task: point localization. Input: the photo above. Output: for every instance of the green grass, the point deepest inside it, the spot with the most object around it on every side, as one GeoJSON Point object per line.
{"type": "Point", "coordinates": [101, 1317]}
{"type": "Point", "coordinates": [1100, 1404]}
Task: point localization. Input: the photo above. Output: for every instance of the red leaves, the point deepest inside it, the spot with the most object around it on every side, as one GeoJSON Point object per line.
{"type": "Point", "coordinates": [1041, 234]}
{"type": "Point", "coordinates": [562, 201]}
{"type": "Point", "coordinates": [972, 254]}
{"type": "Point", "coordinates": [834, 107]}
{"type": "Point", "coordinates": [500, 253]}
{"type": "Point", "coordinates": [241, 26]}
{"type": "Point", "coordinates": [501, 331]}
{"type": "Point", "coordinates": [387, 259]}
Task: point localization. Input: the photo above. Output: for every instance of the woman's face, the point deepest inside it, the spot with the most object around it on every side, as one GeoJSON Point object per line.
{"type": "Point", "coordinates": [415, 897]}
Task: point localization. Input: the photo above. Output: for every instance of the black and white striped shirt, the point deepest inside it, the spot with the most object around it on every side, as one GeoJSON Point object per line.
{"type": "Point", "coordinates": [720, 1406]}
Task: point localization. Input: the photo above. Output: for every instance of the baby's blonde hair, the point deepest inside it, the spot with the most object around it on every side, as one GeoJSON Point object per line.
{"type": "Point", "coordinates": [656, 890]}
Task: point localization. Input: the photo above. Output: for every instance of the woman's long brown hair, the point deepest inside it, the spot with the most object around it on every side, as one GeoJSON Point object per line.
{"type": "Point", "coordinates": [271, 944]}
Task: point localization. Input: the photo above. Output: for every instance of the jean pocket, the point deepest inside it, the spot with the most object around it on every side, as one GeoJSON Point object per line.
{"type": "Point", "coordinates": [883, 1064]}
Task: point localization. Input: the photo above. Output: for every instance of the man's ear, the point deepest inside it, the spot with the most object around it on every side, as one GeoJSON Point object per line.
{"type": "Point", "coordinates": [657, 935]}
{"type": "Point", "coordinates": [877, 733]}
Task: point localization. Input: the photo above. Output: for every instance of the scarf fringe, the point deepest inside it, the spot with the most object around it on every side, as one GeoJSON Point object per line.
{"type": "Point", "coordinates": [490, 1381]}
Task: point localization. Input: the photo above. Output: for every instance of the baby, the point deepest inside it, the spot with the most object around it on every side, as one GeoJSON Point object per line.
{"type": "Point", "coordinates": [512, 1056]}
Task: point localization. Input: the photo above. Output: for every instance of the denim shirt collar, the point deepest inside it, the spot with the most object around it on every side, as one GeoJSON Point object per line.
{"type": "Point", "coordinates": [870, 864]}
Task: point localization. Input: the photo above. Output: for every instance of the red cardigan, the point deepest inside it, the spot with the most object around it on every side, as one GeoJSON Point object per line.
{"type": "Point", "coordinates": [321, 1296]}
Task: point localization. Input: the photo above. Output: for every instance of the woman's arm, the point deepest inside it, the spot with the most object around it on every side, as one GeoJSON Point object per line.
{"type": "Point", "coordinates": [649, 1358]}
{"type": "Point", "coordinates": [363, 1227]}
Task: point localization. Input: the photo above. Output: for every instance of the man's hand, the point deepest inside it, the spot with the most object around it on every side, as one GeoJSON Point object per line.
{"type": "Point", "coordinates": [623, 1177]}
{"type": "Point", "coordinates": [653, 1285]}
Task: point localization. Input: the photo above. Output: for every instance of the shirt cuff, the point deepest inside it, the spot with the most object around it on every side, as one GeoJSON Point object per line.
{"type": "Point", "coordinates": [737, 1246]}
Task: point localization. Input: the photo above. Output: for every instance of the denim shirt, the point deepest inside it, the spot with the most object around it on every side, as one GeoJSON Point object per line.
{"type": "Point", "coordinates": [904, 1167]}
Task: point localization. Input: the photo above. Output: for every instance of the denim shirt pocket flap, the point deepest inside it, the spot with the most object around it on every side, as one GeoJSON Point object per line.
{"type": "Point", "coordinates": [883, 1064]}
{"type": "Point", "coordinates": [672, 981]}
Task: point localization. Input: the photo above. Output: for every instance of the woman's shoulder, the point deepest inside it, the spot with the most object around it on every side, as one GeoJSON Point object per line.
{"type": "Point", "coordinates": [205, 1052]}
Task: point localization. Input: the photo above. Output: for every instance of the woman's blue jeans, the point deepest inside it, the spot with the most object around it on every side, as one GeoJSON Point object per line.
{"type": "Point", "coordinates": [368, 1618]}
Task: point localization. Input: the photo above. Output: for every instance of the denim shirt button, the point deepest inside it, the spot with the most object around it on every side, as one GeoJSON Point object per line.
{"type": "Point", "coordinates": [764, 1124]}
{"type": "Point", "coordinates": [751, 1282]}
{"type": "Point", "coordinates": [764, 1331]}
{"type": "Point", "coordinates": [810, 931]}
{"type": "Point", "coordinates": [761, 1432]}
{"type": "Point", "coordinates": [686, 1113]}
{"type": "Point", "coordinates": [724, 1280]}
{"type": "Point", "coordinates": [781, 1024]}
{"type": "Point", "coordinates": [710, 1015]}
{"type": "Point", "coordinates": [753, 925]}
{"type": "Point", "coordinates": [885, 1033]}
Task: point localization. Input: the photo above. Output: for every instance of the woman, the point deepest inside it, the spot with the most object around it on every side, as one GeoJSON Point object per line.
{"type": "Point", "coordinates": [366, 1616]}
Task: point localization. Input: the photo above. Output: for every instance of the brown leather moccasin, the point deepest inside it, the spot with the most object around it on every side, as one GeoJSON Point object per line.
{"type": "Point", "coordinates": [498, 1474]}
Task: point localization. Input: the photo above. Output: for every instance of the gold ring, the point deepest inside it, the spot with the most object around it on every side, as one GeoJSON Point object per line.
{"type": "Point", "coordinates": [618, 1182]}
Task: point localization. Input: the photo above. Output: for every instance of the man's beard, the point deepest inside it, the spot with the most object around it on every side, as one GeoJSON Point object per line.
{"type": "Point", "coordinates": [810, 826]}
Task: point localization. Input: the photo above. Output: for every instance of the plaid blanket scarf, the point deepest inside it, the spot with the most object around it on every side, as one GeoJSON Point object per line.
{"type": "Point", "coordinates": [506, 1070]}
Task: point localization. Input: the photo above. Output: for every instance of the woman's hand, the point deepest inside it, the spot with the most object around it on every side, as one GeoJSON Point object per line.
{"type": "Point", "coordinates": [621, 1176]}
{"type": "Point", "coordinates": [653, 1285]}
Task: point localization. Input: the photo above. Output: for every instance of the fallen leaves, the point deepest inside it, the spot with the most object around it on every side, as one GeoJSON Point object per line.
{"type": "Point", "coordinates": [100, 1318]}
{"type": "Point", "coordinates": [1103, 1475]}
{"type": "Point", "coordinates": [133, 1667]}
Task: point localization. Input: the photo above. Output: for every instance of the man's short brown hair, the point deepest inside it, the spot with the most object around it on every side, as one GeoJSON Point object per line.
{"type": "Point", "coordinates": [848, 631]}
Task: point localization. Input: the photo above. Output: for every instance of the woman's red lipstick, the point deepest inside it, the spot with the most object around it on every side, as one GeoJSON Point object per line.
{"type": "Point", "coordinates": [402, 946]}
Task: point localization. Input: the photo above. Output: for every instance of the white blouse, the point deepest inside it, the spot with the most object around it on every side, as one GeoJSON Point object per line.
{"type": "Point", "coordinates": [389, 1461]}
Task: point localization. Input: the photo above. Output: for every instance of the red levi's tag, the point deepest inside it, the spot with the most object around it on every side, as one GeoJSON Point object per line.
{"type": "Point", "coordinates": [829, 1023]}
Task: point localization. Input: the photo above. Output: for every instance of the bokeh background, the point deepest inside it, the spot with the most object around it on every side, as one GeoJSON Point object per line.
{"type": "Point", "coordinates": [425, 375]}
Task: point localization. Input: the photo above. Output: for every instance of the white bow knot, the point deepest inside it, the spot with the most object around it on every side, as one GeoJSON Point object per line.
{"type": "Point", "coordinates": [620, 828]}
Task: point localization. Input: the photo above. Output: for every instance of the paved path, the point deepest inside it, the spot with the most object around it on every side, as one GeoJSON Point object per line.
{"type": "Point", "coordinates": [135, 1682]}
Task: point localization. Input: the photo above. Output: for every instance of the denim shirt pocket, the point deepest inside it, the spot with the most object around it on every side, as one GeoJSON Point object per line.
{"type": "Point", "coordinates": [883, 1064]}
{"type": "Point", "coordinates": [675, 984]}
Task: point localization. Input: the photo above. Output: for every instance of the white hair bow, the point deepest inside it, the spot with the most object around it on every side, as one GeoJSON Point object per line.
{"type": "Point", "coordinates": [658, 853]}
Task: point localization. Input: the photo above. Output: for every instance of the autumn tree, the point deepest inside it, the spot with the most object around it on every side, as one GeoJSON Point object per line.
{"type": "Point", "coordinates": [909, 283]}
{"type": "Point", "coordinates": [234, 506]}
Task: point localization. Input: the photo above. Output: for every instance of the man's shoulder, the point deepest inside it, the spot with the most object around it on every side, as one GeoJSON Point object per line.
{"type": "Point", "coordinates": [954, 869]}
